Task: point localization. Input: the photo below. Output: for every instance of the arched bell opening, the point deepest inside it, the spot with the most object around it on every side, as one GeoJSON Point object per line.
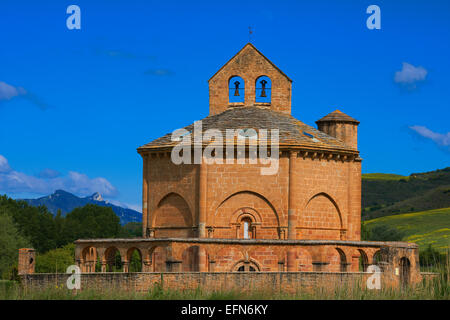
{"type": "Point", "coordinates": [263, 87]}
{"type": "Point", "coordinates": [236, 90]}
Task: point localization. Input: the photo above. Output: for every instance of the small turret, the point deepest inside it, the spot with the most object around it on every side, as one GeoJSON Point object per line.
{"type": "Point", "coordinates": [341, 126]}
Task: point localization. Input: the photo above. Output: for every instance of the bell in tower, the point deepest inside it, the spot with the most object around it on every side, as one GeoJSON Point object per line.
{"type": "Point", "coordinates": [263, 88]}
{"type": "Point", "coordinates": [236, 88]}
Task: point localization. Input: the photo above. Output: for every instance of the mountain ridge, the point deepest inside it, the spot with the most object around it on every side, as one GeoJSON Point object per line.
{"type": "Point", "coordinates": [66, 202]}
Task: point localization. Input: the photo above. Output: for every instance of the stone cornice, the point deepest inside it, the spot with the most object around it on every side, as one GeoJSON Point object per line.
{"type": "Point", "coordinates": [254, 242]}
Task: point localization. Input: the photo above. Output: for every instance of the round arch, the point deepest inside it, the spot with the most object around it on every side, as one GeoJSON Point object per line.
{"type": "Point", "coordinates": [363, 260]}
{"type": "Point", "coordinates": [326, 195]}
{"type": "Point", "coordinates": [257, 194]}
{"type": "Point", "coordinates": [236, 89]}
{"type": "Point", "coordinates": [263, 89]}
{"type": "Point", "coordinates": [405, 272]}
{"type": "Point", "coordinates": [134, 258]}
{"type": "Point", "coordinates": [90, 257]}
{"type": "Point", "coordinates": [113, 260]}
{"type": "Point", "coordinates": [246, 266]}
{"type": "Point", "coordinates": [321, 218]}
{"type": "Point", "coordinates": [173, 211]}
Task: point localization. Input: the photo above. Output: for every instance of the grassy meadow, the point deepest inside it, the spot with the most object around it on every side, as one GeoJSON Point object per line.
{"type": "Point", "coordinates": [383, 176]}
{"type": "Point", "coordinates": [424, 227]}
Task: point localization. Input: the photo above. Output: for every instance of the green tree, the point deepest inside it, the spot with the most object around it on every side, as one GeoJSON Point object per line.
{"type": "Point", "coordinates": [90, 221]}
{"type": "Point", "coordinates": [132, 230]}
{"type": "Point", "coordinates": [56, 260]}
{"type": "Point", "coordinates": [10, 242]}
{"type": "Point", "coordinates": [34, 223]}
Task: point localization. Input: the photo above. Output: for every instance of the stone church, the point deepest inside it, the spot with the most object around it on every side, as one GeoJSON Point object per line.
{"type": "Point", "coordinates": [228, 217]}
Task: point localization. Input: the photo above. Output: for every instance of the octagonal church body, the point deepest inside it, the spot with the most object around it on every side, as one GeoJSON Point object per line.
{"type": "Point", "coordinates": [230, 217]}
{"type": "Point", "coordinates": [315, 193]}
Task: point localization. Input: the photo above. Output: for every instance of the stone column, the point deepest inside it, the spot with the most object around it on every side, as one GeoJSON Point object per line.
{"type": "Point", "coordinates": [146, 266]}
{"type": "Point", "coordinates": [292, 201]}
{"type": "Point", "coordinates": [126, 266]}
{"type": "Point", "coordinates": [291, 256]}
{"type": "Point", "coordinates": [145, 195]}
{"type": "Point", "coordinates": [202, 199]}
{"type": "Point", "coordinates": [202, 260]}
{"type": "Point", "coordinates": [212, 265]}
{"type": "Point", "coordinates": [103, 266]}
{"type": "Point", "coordinates": [292, 210]}
{"type": "Point", "coordinates": [173, 266]}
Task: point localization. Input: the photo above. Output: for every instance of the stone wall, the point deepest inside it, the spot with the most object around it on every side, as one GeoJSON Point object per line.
{"type": "Point", "coordinates": [241, 281]}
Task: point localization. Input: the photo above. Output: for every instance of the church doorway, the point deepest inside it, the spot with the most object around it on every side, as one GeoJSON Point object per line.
{"type": "Point", "coordinates": [405, 267]}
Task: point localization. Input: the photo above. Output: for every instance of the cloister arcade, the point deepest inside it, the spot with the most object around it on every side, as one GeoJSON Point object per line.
{"type": "Point", "coordinates": [230, 255]}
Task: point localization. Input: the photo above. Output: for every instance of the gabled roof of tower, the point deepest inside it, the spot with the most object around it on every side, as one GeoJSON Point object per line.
{"type": "Point", "coordinates": [240, 52]}
{"type": "Point", "coordinates": [292, 132]}
{"type": "Point", "coordinates": [337, 116]}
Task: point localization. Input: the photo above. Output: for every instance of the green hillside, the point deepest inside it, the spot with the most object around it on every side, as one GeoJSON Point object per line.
{"type": "Point", "coordinates": [388, 194]}
{"type": "Point", "coordinates": [424, 227]}
{"type": "Point", "coordinates": [383, 176]}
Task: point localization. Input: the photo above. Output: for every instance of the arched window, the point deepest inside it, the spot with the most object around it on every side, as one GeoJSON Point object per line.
{"type": "Point", "coordinates": [247, 229]}
{"type": "Point", "coordinates": [263, 92]}
{"type": "Point", "coordinates": [246, 266]}
{"type": "Point", "coordinates": [236, 90]}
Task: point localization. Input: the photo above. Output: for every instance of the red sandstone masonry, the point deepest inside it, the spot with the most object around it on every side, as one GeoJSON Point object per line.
{"type": "Point", "coordinates": [220, 281]}
{"type": "Point", "coordinates": [194, 215]}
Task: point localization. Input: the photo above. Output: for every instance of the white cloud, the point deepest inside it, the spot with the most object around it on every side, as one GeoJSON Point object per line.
{"type": "Point", "coordinates": [438, 138]}
{"type": "Point", "coordinates": [12, 181]}
{"type": "Point", "coordinates": [410, 75]}
{"type": "Point", "coordinates": [49, 173]}
{"type": "Point", "coordinates": [4, 165]}
{"type": "Point", "coordinates": [7, 91]}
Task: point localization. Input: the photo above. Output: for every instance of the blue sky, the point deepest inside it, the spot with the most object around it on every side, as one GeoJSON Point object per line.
{"type": "Point", "coordinates": [75, 104]}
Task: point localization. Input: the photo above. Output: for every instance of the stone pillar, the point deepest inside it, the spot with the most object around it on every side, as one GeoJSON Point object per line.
{"type": "Point", "coordinates": [292, 201]}
{"type": "Point", "coordinates": [145, 195]}
{"type": "Point", "coordinates": [202, 260]}
{"type": "Point", "coordinates": [291, 256]}
{"type": "Point", "coordinates": [27, 259]}
{"type": "Point", "coordinates": [146, 266]}
{"type": "Point", "coordinates": [103, 266]}
{"type": "Point", "coordinates": [80, 264]}
{"type": "Point", "coordinates": [292, 210]}
{"type": "Point", "coordinates": [212, 265]}
{"type": "Point", "coordinates": [126, 266]}
{"type": "Point", "coordinates": [202, 199]}
{"type": "Point", "coordinates": [173, 265]}
{"type": "Point", "coordinates": [319, 266]}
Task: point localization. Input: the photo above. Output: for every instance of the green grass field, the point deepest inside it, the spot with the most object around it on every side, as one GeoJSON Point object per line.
{"type": "Point", "coordinates": [383, 176]}
{"type": "Point", "coordinates": [424, 227]}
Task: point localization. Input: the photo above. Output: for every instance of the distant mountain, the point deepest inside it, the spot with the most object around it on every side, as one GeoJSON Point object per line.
{"type": "Point", "coordinates": [66, 202]}
{"type": "Point", "coordinates": [388, 194]}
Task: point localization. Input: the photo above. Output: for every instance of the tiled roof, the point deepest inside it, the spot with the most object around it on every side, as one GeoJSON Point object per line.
{"type": "Point", "coordinates": [292, 132]}
{"type": "Point", "coordinates": [337, 116]}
